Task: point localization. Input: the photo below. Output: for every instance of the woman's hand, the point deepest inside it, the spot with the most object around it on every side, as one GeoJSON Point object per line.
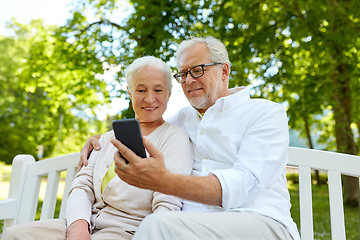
{"type": "Point", "coordinates": [90, 144]}
{"type": "Point", "coordinates": [78, 230]}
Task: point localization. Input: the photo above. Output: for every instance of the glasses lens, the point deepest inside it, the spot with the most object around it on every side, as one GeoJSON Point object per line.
{"type": "Point", "coordinates": [197, 71]}
{"type": "Point", "coordinates": [180, 77]}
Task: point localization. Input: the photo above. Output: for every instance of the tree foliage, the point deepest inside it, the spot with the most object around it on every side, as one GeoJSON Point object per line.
{"type": "Point", "coordinates": [304, 54]}
{"type": "Point", "coordinates": [301, 53]}
{"type": "Point", "coordinates": [45, 85]}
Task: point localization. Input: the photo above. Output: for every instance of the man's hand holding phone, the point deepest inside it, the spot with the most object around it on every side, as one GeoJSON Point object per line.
{"type": "Point", "coordinates": [128, 132]}
{"type": "Point", "coordinates": [149, 173]}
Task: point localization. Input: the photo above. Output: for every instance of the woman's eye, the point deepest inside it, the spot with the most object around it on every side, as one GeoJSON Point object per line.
{"type": "Point", "coordinates": [140, 90]}
{"type": "Point", "coordinates": [158, 90]}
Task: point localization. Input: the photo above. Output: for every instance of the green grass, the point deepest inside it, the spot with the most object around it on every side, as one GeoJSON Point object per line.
{"type": "Point", "coordinates": [321, 212]}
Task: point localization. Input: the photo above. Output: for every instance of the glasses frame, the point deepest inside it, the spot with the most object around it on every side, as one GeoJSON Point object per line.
{"type": "Point", "coordinates": [189, 71]}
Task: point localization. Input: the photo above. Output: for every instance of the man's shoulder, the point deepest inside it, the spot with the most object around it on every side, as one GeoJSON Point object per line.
{"type": "Point", "coordinates": [265, 104]}
{"type": "Point", "coordinates": [179, 118]}
{"type": "Point", "coordinates": [266, 110]}
{"type": "Point", "coordinates": [171, 128]}
{"type": "Point", "coordinates": [186, 110]}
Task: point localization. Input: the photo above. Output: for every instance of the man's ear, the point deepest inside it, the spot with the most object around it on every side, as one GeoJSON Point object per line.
{"type": "Point", "coordinates": [225, 71]}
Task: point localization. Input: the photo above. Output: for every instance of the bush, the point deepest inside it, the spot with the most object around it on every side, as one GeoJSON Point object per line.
{"type": "Point", "coordinates": [5, 172]}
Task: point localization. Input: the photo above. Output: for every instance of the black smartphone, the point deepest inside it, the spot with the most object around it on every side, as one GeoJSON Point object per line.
{"type": "Point", "coordinates": [128, 132]}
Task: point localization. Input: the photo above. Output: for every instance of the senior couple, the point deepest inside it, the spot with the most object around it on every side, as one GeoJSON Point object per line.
{"type": "Point", "coordinates": [228, 180]}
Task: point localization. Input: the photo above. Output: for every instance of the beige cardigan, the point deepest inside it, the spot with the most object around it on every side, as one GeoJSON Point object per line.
{"type": "Point", "coordinates": [122, 205]}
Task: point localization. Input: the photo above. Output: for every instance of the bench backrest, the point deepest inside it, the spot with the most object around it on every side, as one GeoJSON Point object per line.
{"type": "Point", "coordinates": [335, 164]}
{"type": "Point", "coordinates": [25, 183]}
{"type": "Point", "coordinates": [27, 174]}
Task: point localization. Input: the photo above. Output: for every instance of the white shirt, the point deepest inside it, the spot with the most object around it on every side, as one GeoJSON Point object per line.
{"type": "Point", "coordinates": [244, 143]}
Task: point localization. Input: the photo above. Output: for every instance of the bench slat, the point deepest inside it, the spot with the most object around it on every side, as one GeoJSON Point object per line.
{"type": "Point", "coordinates": [70, 175]}
{"type": "Point", "coordinates": [306, 216]}
{"type": "Point", "coordinates": [48, 208]}
{"type": "Point", "coordinates": [336, 206]}
{"type": "Point", "coordinates": [29, 199]}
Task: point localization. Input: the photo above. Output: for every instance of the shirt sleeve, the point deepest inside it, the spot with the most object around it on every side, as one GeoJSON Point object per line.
{"type": "Point", "coordinates": [260, 161]}
{"type": "Point", "coordinates": [178, 154]}
{"type": "Point", "coordinates": [81, 195]}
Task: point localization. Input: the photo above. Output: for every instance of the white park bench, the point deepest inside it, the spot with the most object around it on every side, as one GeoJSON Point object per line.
{"type": "Point", "coordinates": [26, 176]}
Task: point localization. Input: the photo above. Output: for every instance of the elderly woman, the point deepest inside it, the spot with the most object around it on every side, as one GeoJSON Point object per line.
{"type": "Point", "coordinates": [100, 204]}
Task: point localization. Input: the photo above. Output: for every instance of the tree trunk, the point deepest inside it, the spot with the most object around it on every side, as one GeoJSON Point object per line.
{"type": "Point", "coordinates": [344, 137]}
{"type": "Point", "coordinates": [341, 103]}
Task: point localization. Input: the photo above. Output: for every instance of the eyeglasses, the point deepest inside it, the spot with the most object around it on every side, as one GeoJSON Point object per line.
{"type": "Point", "coordinates": [195, 72]}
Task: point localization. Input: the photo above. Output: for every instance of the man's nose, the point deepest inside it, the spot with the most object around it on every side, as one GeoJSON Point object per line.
{"type": "Point", "coordinates": [189, 79]}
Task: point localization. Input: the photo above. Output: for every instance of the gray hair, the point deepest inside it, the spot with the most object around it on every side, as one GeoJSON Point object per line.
{"type": "Point", "coordinates": [148, 61]}
{"type": "Point", "coordinates": [217, 49]}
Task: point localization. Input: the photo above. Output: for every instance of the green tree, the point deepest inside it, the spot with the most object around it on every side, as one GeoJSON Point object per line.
{"type": "Point", "coordinates": [304, 54]}
{"type": "Point", "coordinates": [148, 29]}
{"type": "Point", "coordinates": [46, 83]}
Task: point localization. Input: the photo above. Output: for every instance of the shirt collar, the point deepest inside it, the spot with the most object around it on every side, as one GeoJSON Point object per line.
{"type": "Point", "coordinates": [237, 95]}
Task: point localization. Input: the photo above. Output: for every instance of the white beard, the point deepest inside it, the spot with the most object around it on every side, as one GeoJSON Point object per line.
{"type": "Point", "coordinates": [198, 102]}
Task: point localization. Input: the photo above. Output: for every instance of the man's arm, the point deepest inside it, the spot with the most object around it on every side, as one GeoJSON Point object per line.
{"type": "Point", "coordinates": [206, 189]}
{"type": "Point", "coordinates": [151, 173]}
{"type": "Point", "coordinates": [90, 144]}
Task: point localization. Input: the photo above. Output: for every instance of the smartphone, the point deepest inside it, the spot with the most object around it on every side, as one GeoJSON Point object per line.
{"type": "Point", "coordinates": [128, 132]}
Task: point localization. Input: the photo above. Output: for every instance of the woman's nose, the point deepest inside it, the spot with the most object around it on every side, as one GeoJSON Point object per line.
{"type": "Point", "coordinates": [149, 98]}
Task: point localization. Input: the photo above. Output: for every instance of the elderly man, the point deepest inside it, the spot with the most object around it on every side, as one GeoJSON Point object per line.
{"type": "Point", "coordinates": [238, 185]}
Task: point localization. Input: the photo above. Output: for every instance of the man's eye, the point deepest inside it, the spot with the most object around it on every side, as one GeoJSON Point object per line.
{"type": "Point", "coordinates": [182, 75]}
{"type": "Point", "coordinates": [196, 70]}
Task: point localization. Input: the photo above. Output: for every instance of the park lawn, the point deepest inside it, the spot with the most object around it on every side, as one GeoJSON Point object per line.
{"type": "Point", "coordinates": [321, 212]}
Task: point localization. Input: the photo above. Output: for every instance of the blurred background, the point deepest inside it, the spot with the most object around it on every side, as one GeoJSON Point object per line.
{"type": "Point", "coordinates": [62, 62]}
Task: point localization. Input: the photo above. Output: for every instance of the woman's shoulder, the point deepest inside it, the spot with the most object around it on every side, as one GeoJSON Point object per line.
{"type": "Point", "coordinates": [168, 133]}
{"type": "Point", "coordinates": [170, 128]}
{"type": "Point", "coordinates": [106, 137]}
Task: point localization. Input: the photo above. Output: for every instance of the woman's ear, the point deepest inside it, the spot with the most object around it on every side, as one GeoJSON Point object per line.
{"type": "Point", "coordinates": [128, 90]}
